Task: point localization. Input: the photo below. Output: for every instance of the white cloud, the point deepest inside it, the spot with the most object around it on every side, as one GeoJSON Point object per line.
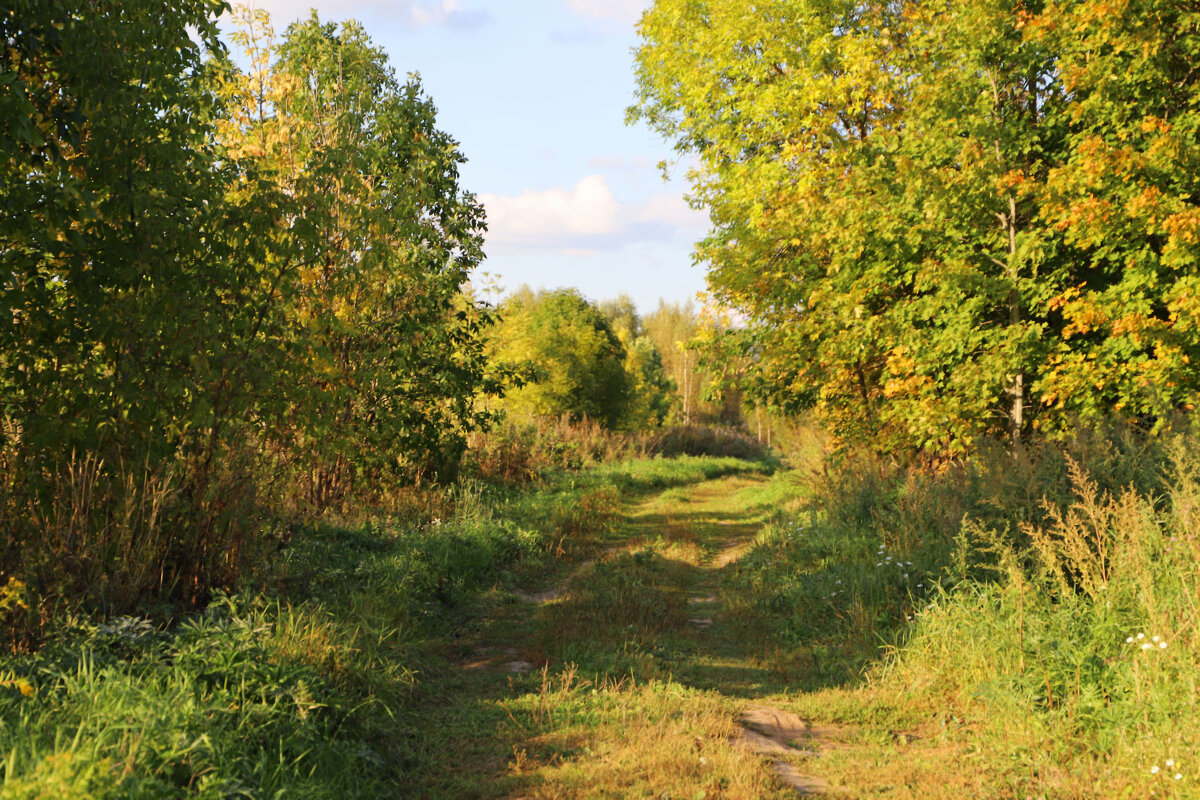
{"type": "Point", "coordinates": [410, 13]}
{"type": "Point", "coordinates": [625, 12]}
{"type": "Point", "coordinates": [671, 210]}
{"type": "Point", "coordinates": [586, 219]}
{"type": "Point", "coordinates": [589, 210]}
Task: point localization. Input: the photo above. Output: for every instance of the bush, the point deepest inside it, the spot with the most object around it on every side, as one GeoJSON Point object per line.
{"type": "Point", "coordinates": [699, 440]}
{"type": "Point", "coordinates": [116, 537]}
{"type": "Point", "coordinates": [519, 450]}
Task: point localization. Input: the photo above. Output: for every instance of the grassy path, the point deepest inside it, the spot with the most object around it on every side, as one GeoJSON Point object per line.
{"type": "Point", "coordinates": [619, 674]}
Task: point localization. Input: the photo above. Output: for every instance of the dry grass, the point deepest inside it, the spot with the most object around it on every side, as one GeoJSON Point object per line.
{"type": "Point", "coordinates": [620, 740]}
{"type": "Point", "coordinates": [1054, 655]}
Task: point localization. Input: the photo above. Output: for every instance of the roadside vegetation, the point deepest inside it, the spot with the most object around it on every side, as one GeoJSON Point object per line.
{"type": "Point", "coordinates": [1020, 626]}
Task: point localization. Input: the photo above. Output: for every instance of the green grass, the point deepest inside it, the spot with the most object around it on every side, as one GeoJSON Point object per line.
{"type": "Point", "coordinates": [1000, 619]}
{"type": "Point", "coordinates": [971, 626]}
{"type": "Point", "coordinates": [315, 684]}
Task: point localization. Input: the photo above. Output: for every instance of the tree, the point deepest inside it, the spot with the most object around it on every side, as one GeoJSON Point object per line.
{"type": "Point", "coordinates": [388, 347]}
{"type": "Point", "coordinates": [1125, 200]}
{"type": "Point", "coordinates": [651, 393]}
{"type": "Point", "coordinates": [883, 180]}
{"type": "Point", "coordinates": [576, 363]}
{"type": "Point", "coordinates": [132, 288]}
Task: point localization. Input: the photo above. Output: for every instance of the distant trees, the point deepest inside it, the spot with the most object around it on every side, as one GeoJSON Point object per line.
{"type": "Point", "coordinates": [671, 326]}
{"type": "Point", "coordinates": [573, 361]}
{"type": "Point", "coordinates": [568, 349]}
{"type": "Point", "coordinates": [652, 392]}
{"type": "Point", "coordinates": [943, 223]}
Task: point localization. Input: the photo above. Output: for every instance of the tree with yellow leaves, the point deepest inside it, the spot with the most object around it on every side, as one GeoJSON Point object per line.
{"type": "Point", "coordinates": [905, 199]}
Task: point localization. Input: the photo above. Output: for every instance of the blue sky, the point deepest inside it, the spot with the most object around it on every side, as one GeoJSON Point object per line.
{"type": "Point", "coordinates": [536, 92]}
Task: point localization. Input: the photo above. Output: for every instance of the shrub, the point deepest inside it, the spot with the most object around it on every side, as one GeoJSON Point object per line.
{"type": "Point", "coordinates": [699, 440]}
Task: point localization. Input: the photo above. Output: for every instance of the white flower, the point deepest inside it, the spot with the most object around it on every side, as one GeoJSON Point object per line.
{"type": "Point", "coordinates": [1141, 636]}
{"type": "Point", "coordinates": [1178, 776]}
{"type": "Point", "coordinates": [1128, 640]}
{"type": "Point", "coordinates": [1155, 639]}
{"type": "Point", "coordinates": [1154, 770]}
{"type": "Point", "coordinates": [1170, 762]}
{"type": "Point", "coordinates": [1147, 646]}
{"type": "Point", "coordinates": [1162, 645]}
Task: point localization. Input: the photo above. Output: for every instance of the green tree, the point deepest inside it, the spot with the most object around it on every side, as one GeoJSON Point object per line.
{"type": "Point", "coordinates": [134, 294]}
{"type": "Point", "coordinates": [575, 361]}
{"type": "Point", "coordinates": [900, 194]}
{"type": "Point", "coordinates": [387, 348]}
{"type": "Point", "coordinates": [652, 393]}
{"type": "Point", "coordinates": [670, 327]}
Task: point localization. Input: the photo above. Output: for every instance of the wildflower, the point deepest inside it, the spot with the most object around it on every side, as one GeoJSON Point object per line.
{"type": "Point", "coordinates": [1154, 770]}
{"type": "Point", "coordinates": [919, 585]}
{"type": "Point", "coordinates": [1162, 645]}
{"type": "Point", "coordinates": [1155, 639]}
{"type": "Point", "coordinates": [1147, 646]}
{"type": "Point", "coordinates": [1170, 762]}
{"type": "Point", "coordinates": [906, 576]}
{"type": "Point", "coordinates": [1178, 776]}
{"type": "Point", "coordinates": [1141, 636]}
{"type": "Point", "coordinates": [1128, 640]}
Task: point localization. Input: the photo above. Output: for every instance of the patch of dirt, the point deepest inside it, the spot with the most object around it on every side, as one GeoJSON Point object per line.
{"type": "Point", "coordinates": [730, 552]}
{"type": "Point", "coordinates": [505, 658]}
{"type": "Point", "coordinates": [771, 731]}
{"type": "Point", "coordinates": [539, 597]}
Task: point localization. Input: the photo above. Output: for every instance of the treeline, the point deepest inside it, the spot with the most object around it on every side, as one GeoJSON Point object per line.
{"type": "Point", "coordinates": [944, 222]}
{"type": "Point", "coordinates": [225, 293]}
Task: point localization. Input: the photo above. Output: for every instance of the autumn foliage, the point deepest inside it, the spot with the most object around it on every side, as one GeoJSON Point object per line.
{"type": "Point", "coordinates": [944, 222]}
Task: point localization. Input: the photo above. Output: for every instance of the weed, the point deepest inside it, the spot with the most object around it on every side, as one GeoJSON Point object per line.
{"type": "Point", "coordinates": [1035, 610]}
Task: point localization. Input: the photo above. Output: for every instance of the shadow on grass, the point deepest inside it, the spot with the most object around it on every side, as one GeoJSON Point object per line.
{"type": "Point", "coordinates": [623, 616]}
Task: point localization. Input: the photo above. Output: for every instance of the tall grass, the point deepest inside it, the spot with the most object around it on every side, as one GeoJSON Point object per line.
{"type": "Point", "coordinates": [520, 450]}
{"type": "Point", "coordinates": [293, 686]}
{"type": "Point", "coordinates": [1040, 608]}
{"type": "Point", "coordinates": [115, 535]}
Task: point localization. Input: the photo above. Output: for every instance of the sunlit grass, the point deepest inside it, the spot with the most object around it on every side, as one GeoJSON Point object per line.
{"type": "Point", "coordinates": [1026, 629]}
